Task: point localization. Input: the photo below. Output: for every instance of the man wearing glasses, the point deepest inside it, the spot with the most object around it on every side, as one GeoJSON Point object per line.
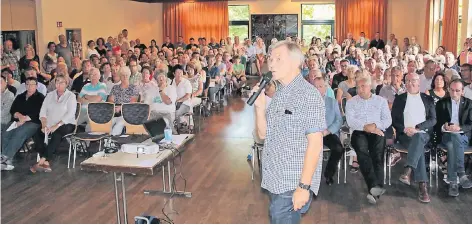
{"type": "Point", "coordinates": [340, 77]}
{"type": "Point", "coordinates": [455, 121]}
{"type": "Point", "coordinates": [413, 117]}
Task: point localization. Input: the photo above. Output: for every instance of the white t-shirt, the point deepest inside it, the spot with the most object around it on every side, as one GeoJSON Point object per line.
{"type": "Point", "coordinates": [152, 97]}
{"type": "Point", "coordinates": [182, 89]}
{"type": "Point", "coordinates": [91, 52]}
{"type": "Point", "coordinates": [414, 112]}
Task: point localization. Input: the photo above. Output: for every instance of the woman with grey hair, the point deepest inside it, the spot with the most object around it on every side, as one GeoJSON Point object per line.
{"type": "Point", "coordinates": [272, 43]}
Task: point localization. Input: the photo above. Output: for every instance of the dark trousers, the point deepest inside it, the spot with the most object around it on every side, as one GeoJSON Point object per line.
{"type": "Point", "coordinates": [370, 155]}
{"type": "Point", "coordinates": [336, 152]}
{"type": "Point", "coordinates": [54, 142]}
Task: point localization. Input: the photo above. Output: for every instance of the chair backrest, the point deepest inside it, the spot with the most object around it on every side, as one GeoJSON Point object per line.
{"type": "Point", "coordinates": [100, 116]}
{"type": "Point", "coordinates": [134, 115]}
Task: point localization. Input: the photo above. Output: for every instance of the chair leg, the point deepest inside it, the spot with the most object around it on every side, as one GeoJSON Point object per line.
{"type": "Point", "coordinates": [436, 165]}
{"type": "Point", "coordinates": [389, 169]}
{"type": "Point", "coordinates": [345, 166]}
{"type": "Point", "coordinates": [339, 169]}
{"type": "Point", "coordinates": [385, 165]}
{"type": "Point", "coordinates": [75, 155]}
{"type": "Point", "coordinates": [430, 168]}
{"type": "Point", "coordinates": [252, 161]}
{"type": "Point", "coordinates": [70, 150]}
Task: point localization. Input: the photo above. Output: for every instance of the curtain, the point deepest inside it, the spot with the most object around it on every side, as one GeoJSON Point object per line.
{"type": "Point", "coordinates": [199, 19]}
{"type": "Point", "coordinates": [356, 16]}
{"type": "Point", "coordinates": [427, 26]}
{"type": "Point", "coordinates": [450, 22]}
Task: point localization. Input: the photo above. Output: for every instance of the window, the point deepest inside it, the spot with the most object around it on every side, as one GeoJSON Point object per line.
{"type": "Point", "coordinates": [239, 21]}
{"type": "Point", "coordinates": [317, 21]}
{"type": "Point", "coordinates": [459, 32]}
{"type": "Point", "coordinates": [441, 12]}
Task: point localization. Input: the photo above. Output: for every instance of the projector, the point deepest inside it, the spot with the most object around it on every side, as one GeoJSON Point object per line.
{"type": "Point", "coordinates": [140, 148]}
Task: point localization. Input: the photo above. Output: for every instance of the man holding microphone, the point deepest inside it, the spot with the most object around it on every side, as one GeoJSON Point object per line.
{"type": "Point", "coordinates": [293, 126]}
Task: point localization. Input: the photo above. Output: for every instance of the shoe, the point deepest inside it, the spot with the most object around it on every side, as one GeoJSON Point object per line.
{"type": "Point", "coordinates": [46, 168]}
{"type": "Point", "coordinates": [329, 181]}
{"type": "Point", "coordinates": [35, 168]}
{"type": "Point", "coordinates": [464, 182]}
{"type": "Point", "coordinates": [377, 191]}
{"type": "Point", "coordinates": [354, 169]}
{"type": "Point", "coordinates": [395, 158]}
{"type": "Point", "coordinates": [7, 167]}
{"type": "Point", "coordinates": [405, 177]}
{"type": "Point", "coordinates": [371, 199]}
{"type": "Point", "coordinates": [423, 195]}
{"type": "Point", "coordinates": [453, 190]}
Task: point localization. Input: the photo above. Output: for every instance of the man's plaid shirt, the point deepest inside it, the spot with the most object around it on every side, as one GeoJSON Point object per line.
{"type": "Point", "coordinates": [295, 111]}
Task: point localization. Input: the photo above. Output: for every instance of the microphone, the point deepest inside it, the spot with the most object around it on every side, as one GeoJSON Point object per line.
{"type": "Point", "coordinates": [265, 80]}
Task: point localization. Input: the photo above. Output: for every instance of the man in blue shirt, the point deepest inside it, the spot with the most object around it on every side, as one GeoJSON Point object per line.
{"type": "Point", "coordinates": [334, 121]}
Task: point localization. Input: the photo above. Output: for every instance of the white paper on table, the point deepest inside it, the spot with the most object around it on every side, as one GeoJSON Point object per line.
{"type": "Point", "coordinates": [12, 126]}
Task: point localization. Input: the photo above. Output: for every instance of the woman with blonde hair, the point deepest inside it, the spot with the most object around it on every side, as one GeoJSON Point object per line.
{"type": "Point", "coordinates": [30, 55]}
{"type": "Point", "coordinates": [57, 118]}
{"type": "Point", "coordinates": [343, 87]}
{"type": "Point", "coordinates": [260, 55]}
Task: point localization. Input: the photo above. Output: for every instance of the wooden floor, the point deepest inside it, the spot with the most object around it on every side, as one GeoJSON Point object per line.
{"type": "Point", "coordinates": [218, 174]}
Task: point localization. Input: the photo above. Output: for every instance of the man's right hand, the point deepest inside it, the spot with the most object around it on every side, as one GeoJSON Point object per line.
{"type": "Point", "coordinates": [260, 102]}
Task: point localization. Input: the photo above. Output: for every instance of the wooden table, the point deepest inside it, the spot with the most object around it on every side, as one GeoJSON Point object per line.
{"type": "Point", "coordinates": [122, 163]}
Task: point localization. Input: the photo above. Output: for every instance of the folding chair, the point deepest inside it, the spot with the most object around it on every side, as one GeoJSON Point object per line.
{"type": "Point", "coordinates": [134, 115]}
{"type": "Point", "coordinates": [100, 117]}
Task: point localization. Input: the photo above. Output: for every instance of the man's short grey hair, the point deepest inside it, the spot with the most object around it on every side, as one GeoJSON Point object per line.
{"type": "Point", "coordinates": [396, 69]}
{"type": "Point", "coordinates": [380, 66]}
{"type": "Point", "coordinates": [449, 53]}
{"type": "Point", "coordinates": [293, 49]}
{"type": "Point", "coordinates": [365, 78]}
{"type": "Point", "coordinates": [453, 73]}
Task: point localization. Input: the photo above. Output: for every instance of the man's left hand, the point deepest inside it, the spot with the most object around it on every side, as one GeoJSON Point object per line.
{"type": "Point", "coordinates": [300, 198]}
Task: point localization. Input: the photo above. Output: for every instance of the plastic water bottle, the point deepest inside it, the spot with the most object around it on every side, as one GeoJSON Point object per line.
{"type": "Point", "coordinates": [168, 135]}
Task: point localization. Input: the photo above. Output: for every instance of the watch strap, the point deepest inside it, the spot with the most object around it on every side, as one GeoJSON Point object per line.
{"type": "Point", "coordinates": [303, 186]}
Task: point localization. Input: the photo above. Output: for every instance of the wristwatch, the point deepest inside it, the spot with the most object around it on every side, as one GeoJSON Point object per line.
{"type": "Point", "coordinates": [304, 186]}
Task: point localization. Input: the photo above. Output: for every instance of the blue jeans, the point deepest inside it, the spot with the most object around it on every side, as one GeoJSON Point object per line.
{"type": "Point", "coordinates": [455, 144]}
{"type": "Point", "coordinates": [415, 158]}
{"type": "Point", "coordinates": [13, 140]}
{"type": "Point", "coordinates": [281, 208]}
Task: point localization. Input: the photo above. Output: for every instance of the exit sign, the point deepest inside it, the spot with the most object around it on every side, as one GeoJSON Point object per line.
{"type": "Point", "coordinates": [59, 24]}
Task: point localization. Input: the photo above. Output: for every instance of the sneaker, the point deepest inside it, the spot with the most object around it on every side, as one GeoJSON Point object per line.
{"type": "Point", "coordinates": [371, 199]}
{"type": "Point", "coordinates": [464, 182]}
{"type": "Point", "coordinates": [7, 167]}
{"type": "Point", "coordinates": [453, 190]}
{"type": "Point", "coordinates": [395, 158]}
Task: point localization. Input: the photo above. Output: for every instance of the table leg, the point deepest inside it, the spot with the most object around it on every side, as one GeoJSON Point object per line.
{"type": "Point", "coordinates": [117, 200]}
{"type": "Point", "coordinates": [171, 190]}
{"type": "Point", "coordinates": [123, 189]}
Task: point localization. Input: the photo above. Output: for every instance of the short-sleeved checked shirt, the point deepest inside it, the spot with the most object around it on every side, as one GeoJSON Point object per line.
{"type": "Point", "coordinates": [9, 58]}
{"type": "Point", "coordinates": [295, 111]}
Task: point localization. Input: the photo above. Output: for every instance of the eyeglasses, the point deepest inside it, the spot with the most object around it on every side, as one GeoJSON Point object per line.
{"type": "Point", "coordinates": [455, 90]}
{"type": "Point", "coordinates": [30, 84]}
{"type": "Point", "coordinates": [412, 81]}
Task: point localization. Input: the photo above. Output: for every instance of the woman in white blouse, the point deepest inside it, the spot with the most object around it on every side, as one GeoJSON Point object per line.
{"type": "Point", "coordinates": [57, 117]}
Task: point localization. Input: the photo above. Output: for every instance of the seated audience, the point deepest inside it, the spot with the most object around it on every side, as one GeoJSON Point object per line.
{"type": "Point", "coordinates": [331, 139]}
{"type": "Point", "coordinates": [238, 73]}
{"type": "Point", "coordinates": [83, 78]}
{"type": "Point", "coordinates": [7, 100]}
{"type": "Point", "coordinates": [414, 116]}
{"type": "Point", "coordinates": [119, 94]}
{"type": "Point", "coordinates": [438, 87]}
{"type": "Point", "coordinates": [136, 77]}
{"type": "Point", "coordinates": [454, 115]}
{"type": "Point", "coordinates": [95, 91]}
{"type": "Point", "coordinates": [342, 91]}
{"type": "Point", "coordinates": [25, 111]}
{"type": "Point", "coordinates": [368, 116]}
{"type": "Point", "coordinates": [29, 72]}
{"type": "Point", "coordinates": [162, 100]}
{"type": "Point", "coordinates": [57, 117]}
{"type": "Point", "coordinates": [184, 91]}
{"type": "Point", "coordinates": [8, 74]}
